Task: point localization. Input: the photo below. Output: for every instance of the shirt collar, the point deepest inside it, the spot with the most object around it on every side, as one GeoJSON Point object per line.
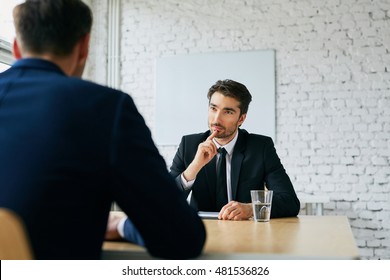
{"type": "Point", "coordinates": [229, 146]}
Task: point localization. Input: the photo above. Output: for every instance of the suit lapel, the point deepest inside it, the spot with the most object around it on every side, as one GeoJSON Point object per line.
{"type": "Point", "coordinates": [237, 158]}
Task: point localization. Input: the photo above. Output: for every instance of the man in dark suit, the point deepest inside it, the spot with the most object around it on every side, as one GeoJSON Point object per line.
{"type": "Point", "coordinates": [69, 148]}
{"type": "Point", "coordinates": [251, 163]}
{"type": "Point", "coordinates": [251, 160]}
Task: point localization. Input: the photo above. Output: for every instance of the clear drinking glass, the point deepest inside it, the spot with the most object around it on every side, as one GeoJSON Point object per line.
{"type": "Point", "coordinates": [261, 204]}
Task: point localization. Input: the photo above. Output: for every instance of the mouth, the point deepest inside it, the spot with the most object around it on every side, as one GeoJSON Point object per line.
{"type": "Point", "coordinates": [217, 128]}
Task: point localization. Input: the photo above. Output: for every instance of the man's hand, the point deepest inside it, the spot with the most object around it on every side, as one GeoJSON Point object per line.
{"type": "Point", "coordinates": [112, 226]}
{"type": "Point", "coordinates": [236, 211]}
{"type": "Point", "coordinates": [206, 150]}
{"type": "Point", "coordinates": [205, 153]}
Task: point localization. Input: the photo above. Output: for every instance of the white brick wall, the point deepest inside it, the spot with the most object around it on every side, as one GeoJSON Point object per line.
{"type": "Point", "coordinates": [333, 87]}
{"type": "Point", "coordinates": [96, 67]}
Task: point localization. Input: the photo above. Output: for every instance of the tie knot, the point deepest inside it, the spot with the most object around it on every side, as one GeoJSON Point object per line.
{"type": "Point", "coordinates": [222, 151]}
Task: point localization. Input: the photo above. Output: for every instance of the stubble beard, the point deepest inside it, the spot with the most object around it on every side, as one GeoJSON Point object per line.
{"type": "Point", "coordinates": [227, 133]}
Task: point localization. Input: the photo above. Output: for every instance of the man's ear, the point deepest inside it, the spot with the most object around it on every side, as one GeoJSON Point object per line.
{"type": "Point", "coordinates": [84, 48]}
{"type": "Point", "coordinates": [241, 119]}
{"type": "Point", "coordinates": [16, 50]}
{"type": "Point", "coordinates": [80, 54]}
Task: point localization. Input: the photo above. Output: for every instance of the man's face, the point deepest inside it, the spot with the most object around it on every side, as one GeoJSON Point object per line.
{"type": "Point", "coordinates": [224, 116]}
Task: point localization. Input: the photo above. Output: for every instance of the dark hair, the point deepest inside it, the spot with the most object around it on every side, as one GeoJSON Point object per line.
{"type": "Point", "coordinates": [232, 89]}
{"type": "Point", "coordinates": [51, 26]}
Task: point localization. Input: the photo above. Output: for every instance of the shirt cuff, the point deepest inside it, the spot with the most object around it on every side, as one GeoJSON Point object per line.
{"type": "Point", "coordinates": [186, 184]}
{"type": "Point", "coordinates": [121, 227]}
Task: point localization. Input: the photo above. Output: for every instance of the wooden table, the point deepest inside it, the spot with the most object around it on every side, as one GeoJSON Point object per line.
{"type": "Point", "coordinates": [303, 237]}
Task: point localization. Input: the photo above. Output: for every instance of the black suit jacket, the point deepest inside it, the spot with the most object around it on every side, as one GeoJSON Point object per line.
{"type": "Point", "coordinates": [68, 149]}
{"type": "Point", "coordinates": [254, 161]}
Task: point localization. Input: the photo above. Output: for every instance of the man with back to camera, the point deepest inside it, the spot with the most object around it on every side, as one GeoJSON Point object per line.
{"type": "Point", "coordinates": [251, 161]}
{"type": "Point", "coordinates": [69, 148]}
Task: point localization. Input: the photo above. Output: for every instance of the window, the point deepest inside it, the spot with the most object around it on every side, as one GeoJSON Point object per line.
{"type": "Point", "coordinates": [7, 33]}
{"type": "Point", "coordinates": [6, 57]}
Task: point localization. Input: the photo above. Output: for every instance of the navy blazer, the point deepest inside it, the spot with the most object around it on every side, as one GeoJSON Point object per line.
{"type": "Point", "coordinates": [254, 161]}
{"type": "Point", "coordinates": [68, 149]}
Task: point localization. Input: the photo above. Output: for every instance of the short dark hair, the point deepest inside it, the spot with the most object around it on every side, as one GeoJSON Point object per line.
{"type": "Point", "coordinates": [51, 26]}
{"type": "Point", "coordinates": [232, 89]}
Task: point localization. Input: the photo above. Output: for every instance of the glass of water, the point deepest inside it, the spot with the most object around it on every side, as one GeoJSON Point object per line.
{"type": "Point", "coordinates": [261, 204]}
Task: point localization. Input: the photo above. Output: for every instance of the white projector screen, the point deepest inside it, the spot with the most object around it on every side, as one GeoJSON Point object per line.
{"type": "Point", "coordinates": [183, 81]}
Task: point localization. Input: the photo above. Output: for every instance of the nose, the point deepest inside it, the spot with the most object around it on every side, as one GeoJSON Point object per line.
{"type": "Point", "coordinates": [217, 117]}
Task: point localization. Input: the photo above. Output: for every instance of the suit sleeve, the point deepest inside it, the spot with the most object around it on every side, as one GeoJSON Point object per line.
{"type": "Point", "coordinates": [132, 234]}
{"type": "Point", "coordinates": [285, 203]}
{"type": "Point", "coordinates": [147, 193]}
{"type": "Point", "coordinates": [178, 167]}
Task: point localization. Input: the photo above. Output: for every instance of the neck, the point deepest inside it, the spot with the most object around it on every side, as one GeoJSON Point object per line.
{"type": "Point", "coordinates": [66, 63]}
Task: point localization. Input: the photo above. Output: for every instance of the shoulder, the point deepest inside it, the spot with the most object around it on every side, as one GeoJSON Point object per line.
{"type": "Point", "coordinates": [87, 90]}
{"type": "Point", "coordinates": [90, 86]}
{"type": "Point", "coordinates": [190, 142]}
{"type": "Point", "coordinates": [255, 138]}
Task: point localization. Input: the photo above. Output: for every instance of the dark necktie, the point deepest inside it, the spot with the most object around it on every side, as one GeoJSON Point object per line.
{"type": "Point", "coordinates": [221, 179]}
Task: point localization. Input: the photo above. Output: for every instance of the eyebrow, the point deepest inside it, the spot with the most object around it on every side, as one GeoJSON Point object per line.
{"type": "Point", "coordinates": [226, 108]}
